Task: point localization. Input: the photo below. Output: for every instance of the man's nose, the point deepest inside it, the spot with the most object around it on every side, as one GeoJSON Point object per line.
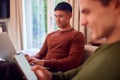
{"type": "Point", "coordinates": [57, 19]}
{"type": "Point", "coordinates": [83, 22]}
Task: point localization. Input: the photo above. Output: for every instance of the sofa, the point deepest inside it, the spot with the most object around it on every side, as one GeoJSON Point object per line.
{"type": "Point", "coordinates": [89, 49]}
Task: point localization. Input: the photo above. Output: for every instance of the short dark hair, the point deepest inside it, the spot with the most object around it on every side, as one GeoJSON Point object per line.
{"type": "Point", "coordinates": [105, 2]}
{"type": "Point", "coordinates": [64, 6]}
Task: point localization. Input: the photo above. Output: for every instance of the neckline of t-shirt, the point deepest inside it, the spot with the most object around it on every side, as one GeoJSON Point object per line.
{"type": "Point", "coordinates": [65, 30]}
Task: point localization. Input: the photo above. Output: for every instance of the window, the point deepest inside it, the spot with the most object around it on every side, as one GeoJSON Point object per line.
{"type": "Point", "coordinates": [38, 21]}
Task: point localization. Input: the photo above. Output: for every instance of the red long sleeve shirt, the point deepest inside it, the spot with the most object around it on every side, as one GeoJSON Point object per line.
{"type": "Point", "coordinates": [62, 50]}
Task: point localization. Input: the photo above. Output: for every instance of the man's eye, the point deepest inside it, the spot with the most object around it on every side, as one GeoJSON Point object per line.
{"type": "Point", "coordinates": [85, 11]}
{"type": "Point", "coordinates": [60, 16]}
{"type": "Point", "coordinates": [55, 16]}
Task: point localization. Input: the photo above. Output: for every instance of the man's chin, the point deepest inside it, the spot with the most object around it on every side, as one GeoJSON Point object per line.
{"type": "Point", "coordinates": [94, 38]}
{"type": "Point", "coordinates": [59, 26]}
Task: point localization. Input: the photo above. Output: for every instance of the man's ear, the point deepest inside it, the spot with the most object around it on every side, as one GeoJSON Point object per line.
{"type": "Point", "coordinates": [70, 15]}
{"type": "Point", "coordinates": [117, 5]}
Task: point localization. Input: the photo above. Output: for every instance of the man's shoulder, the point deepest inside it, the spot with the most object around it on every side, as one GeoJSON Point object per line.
{"type": "Point", "coordinates": [76, 31]}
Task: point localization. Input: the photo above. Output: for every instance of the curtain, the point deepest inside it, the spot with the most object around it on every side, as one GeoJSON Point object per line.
{"type": "Point", "coordinates": [50, 15]}
{"type": "Point", "coordinates": [15, 24]}
{"type": "Point", "coordinates": [75, 21]}
{"type": "Point", "coordinates": [75, 14]}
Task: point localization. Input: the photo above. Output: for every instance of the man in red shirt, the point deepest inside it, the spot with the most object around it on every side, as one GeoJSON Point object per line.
{"type": "Point", "coordinates": [63, 49]}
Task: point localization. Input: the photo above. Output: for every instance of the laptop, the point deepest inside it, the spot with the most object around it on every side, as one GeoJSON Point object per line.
{"type": "Point", "coordinates": [7, 49]}
{"type": "Point", "coordinates": [8, 53]}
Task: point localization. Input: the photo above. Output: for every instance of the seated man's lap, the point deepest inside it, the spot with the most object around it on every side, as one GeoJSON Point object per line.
{"type": "Point", "coordinates": [9, 71]}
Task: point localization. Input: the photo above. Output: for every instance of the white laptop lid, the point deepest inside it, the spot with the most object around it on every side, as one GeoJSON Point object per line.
{"type": "Point", "coordinates": [25, 67]}
{"type": "Point", "coordinates": [7, 49]}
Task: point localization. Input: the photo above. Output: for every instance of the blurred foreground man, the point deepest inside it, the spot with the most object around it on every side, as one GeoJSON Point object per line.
{"type": "Point", "coordinates": [102, 19]}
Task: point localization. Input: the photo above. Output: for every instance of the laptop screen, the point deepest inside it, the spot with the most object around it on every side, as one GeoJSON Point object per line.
{"type": "Point", "coordinates": [7, 49]}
